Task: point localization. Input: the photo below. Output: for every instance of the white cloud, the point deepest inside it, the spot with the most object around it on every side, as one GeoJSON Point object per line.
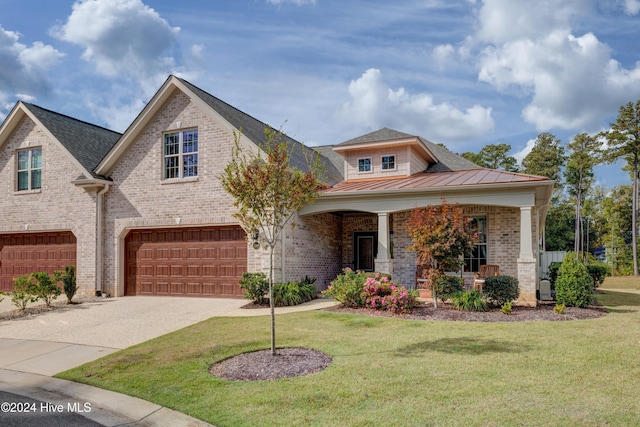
{"type": "Point", "coordinates": [23, 69]}
{"type": "Point", "coordinates": [632, 7]}
{"type": "Point", "coordinates": [442, 54]}
{"type": "Point", "coordinates": [526, 150]}
{"type": "Point", "coordinates": [374, 105]}
{"type": "Point", "coordinates": [122, 38]}
{"type": "Point", "coordinates": [572, 81]}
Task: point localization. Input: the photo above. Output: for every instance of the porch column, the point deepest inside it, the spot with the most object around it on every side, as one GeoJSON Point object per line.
{"type": "Point", "coordinates": [526, 260]}
{"type": "Point", "coordinates": [383, 262]}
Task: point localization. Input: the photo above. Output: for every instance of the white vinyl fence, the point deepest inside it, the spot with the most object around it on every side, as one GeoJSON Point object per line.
{"type": "Point", "coordinates": [546, 258]}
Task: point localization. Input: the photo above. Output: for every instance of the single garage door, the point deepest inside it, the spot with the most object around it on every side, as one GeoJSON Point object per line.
{"type": "Point", "coordinates": [203, 261]}
{"type": "Point", "coordinates": [33, 252]}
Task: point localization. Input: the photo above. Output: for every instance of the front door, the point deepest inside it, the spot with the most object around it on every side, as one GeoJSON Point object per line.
{"type": "Point", "coordinates": [365, 244]}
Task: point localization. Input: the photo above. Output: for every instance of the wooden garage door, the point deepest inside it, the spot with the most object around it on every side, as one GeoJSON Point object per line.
{"type": "Point", "coordinates": [33, 252]}
{"type": "Point", "coordinates": [203, 262]}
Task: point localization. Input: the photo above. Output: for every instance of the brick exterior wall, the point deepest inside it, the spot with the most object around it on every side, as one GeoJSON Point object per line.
{"type": "Point", "coordinates": [58, 206]}
{"type": "Point", "coordinates": [141, 199]}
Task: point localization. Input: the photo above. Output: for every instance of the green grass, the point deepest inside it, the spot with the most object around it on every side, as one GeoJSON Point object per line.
{"type": "Point", "coordinates": [621, 282]}
{"type": "Point", "coordinates": [396, 372]}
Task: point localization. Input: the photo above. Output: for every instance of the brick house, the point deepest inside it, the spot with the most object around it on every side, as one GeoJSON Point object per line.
{"type": "Point", "coordinates": [143, 213]}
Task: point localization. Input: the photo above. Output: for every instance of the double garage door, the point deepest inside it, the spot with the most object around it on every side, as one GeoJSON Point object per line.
{"type": "Point", "coordinates": [27, 253]}
{"type": "Point", "coordinates": [203, 261]}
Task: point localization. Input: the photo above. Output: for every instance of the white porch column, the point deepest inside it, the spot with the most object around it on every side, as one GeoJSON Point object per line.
{"type": "Point", "coordinates": [383, 262]}
{"type": "Point", "coordinates": [526, 261]}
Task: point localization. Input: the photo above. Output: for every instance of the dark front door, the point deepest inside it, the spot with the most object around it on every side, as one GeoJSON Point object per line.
{"type": "Point", "coordinates": [365, 244]}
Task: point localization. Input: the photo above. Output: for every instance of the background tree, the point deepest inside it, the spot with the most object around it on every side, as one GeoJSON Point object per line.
{"type": "Point", "coordinates": [560, 226]}
{"type": "Point", "coordinates": [616, 236]}
{"type": "Point", "coordinates": [441, 236]}
{"type": "Point", "coordinates": [494, 156]}
{"type": "Point", "coordinates": [267, 192]}
{"type": "Point", "coordinates": [546, 158]}
{"type": "Point", "coordinates": [624, 141]}
{"type": "Point", "coordinates": [584, 154]}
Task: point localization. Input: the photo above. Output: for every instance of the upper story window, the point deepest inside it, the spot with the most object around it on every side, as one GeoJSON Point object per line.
{"type": "Point", "coordinates": [364, 165]}
{"type": "Point", "coordinates": [180, 154]}
{"type": "Point", "coordinates": [388, 163]}
{"type": "Point", "coordinates": [29, 169]}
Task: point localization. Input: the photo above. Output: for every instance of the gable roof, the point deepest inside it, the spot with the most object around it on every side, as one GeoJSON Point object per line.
{"type": "Point", "coordinates": [443, 159]}
{"type": "Point", "coordinates": [251, 128]}
{"type": "Point", "coordinates": [86, 142]}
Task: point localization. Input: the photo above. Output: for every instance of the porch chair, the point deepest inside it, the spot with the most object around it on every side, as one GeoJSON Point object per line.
{"type": "Point", "coordinates": [486, 270]}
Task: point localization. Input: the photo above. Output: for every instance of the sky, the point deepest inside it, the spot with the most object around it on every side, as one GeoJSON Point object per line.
{"type": "Point", "coordinates": [464, 73]}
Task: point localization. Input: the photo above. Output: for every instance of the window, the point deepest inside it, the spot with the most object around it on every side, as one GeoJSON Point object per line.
{"type": "Point", "coordinates": [388, 163]}
{"type": "Point", "coordinates": [478, 255]}
{"type": "Point", "coordinates": [181, 154]}
{"type": "Point", "coordinates": [364, 165]}
{"type": "Point", "coordinates": [30, 169]}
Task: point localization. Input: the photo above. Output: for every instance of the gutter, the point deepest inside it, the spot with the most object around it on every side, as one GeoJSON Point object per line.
{"type": "Point", "coordinates": [99, 237]}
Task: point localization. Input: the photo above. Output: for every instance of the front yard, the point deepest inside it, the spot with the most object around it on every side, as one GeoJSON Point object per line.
{"type": "Point", "coordinates": [390, 371]}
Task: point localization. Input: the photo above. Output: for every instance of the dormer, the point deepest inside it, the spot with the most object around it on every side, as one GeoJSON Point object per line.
{"type": "Point", "coordinates": [385, 153]}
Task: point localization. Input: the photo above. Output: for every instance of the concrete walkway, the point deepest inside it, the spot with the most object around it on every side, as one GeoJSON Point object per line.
{"type": "Point", "coordinates": [34, 348]}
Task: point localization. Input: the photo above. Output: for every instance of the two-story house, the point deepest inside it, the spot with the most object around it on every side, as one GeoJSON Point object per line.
{"type": "Point", "coordinates": [144, 213]}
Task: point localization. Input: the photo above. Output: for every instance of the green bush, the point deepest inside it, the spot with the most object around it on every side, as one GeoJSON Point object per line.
{"type": "Point", "coordinates": [23, 291]}
{"type": "Point", "coordinates": [444, 287]}
{"type": "Point", "coordinates": [469, 301]}
{"type": "Point", "coordinates": [553, 271]}
{"type": "Point", "coordinates": [506, 308]}
{"type": "Point", "coordinates": [293, 293]}
{"type": "Point", "coordinates": [256, 287]}
{"type": "Point", "coordinates": [598, 271]}
{"type": "Point", "coordinates": [68, 279]}
{"type": "Point", "coordinates": [574, 286]}
{"type": "Point", "coordinates": [347, 288]}
{"type": "Point", "coordinates": [501, 289]}
{"type": "Point", "coordinates": [45, 287]}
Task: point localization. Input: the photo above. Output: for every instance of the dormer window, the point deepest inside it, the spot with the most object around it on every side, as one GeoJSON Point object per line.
{"type": "Point", "coordinates": [388, 163]}
{"type": "Point", "coordinates": [364, 165]}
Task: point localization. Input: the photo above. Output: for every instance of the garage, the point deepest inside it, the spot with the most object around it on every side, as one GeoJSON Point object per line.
{"type": "Point", "coordinates": [27, 253]}
{"type": "Point", "coordinates": [195, 261]}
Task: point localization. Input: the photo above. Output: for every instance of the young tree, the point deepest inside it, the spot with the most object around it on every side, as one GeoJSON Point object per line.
{"type": "Point", "coordinates": [624, 141]}
{"type": "Point", "coordinates": [441, 236]}
{"type": "Point", "coordinates": [584, 154]}
{"type": "Point", "coordinates": [268, 191]}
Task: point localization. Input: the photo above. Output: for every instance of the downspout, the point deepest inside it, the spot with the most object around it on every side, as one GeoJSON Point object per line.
{"type": "Point", "coordinates": [99, 243]}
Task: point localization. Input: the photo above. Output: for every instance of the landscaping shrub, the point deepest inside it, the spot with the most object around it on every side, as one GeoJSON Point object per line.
{"type": "Point", "coordinates": [501, 289]}
{"type": "Point", "coordinates": [598, 271]}
{"type": "Point", "coordinates": [444, 287]}
{"type": "Point", "coordinates": [382, 294]}
{"type": "Point", "coordinates": [23, 291]}
{"type": "Point", "coordinates": [44, 287]}
{"type": "Point", "coordinates": [553, 271]}
{"type": "Point", "coordinates": [574, 286]}
{"type": "Point", "coordinates": [256, 286]}
{"type": "Point", "coordinates": [559, 308]}
{"type": "Point", "coordinates": [506, 308]}
{"type": "Point", "coordinates": [293, 293]}
{"type": "Point", "coordinates": [347, 288]}
{"type": "Point", "coordinates": [68, 278]}
{"type": "Point", "coordinates": [469, 301]}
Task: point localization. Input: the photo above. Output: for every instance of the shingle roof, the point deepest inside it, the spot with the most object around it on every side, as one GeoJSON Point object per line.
{"type": "Point", "coordinates": [447, 161]}
{"type": "Point", "coordinates": [253, 129]}
{"type": "Point", "coordinates": [86, 142]}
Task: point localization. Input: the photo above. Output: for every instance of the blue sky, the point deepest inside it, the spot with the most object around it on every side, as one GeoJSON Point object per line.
{"type": "Point", "coordinates": [464, 73]}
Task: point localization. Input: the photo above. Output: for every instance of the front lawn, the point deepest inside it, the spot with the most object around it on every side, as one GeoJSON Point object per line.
{"type": "Point", "coordinates": [389, 371]}
{"type": "Point", "coordinates": [621, 282]}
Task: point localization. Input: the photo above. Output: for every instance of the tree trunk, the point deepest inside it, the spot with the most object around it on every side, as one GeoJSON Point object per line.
{"type": "Point", "coordinates": [634, 216]}
{"type": "Point", "coordinates": [271, 305]}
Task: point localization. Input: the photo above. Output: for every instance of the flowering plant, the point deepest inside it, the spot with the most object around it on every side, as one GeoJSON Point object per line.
{"type": "Point", "coordinates": [382, 294]}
